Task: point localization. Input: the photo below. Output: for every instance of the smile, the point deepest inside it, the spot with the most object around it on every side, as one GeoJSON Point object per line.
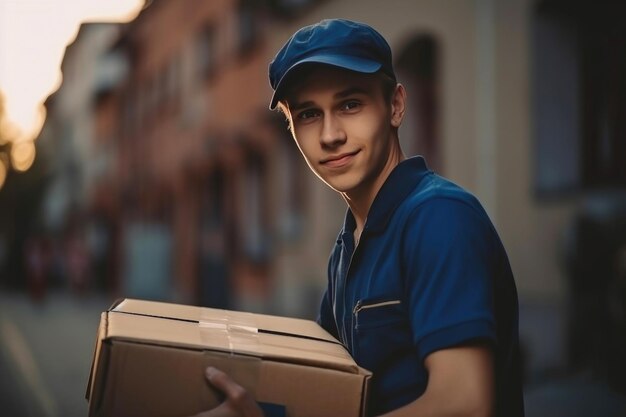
{"type": "Point", "coordinates": [338, 161]}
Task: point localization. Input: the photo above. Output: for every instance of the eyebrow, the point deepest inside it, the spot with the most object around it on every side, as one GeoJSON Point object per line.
{"type": "Point", "coordinates": [341, 94]}
{"type": "Point", "coordinates": [351, 91]}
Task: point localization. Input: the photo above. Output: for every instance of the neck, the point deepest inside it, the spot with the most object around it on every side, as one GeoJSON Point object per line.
{"type": "Point", "coordinates": [360, 200]}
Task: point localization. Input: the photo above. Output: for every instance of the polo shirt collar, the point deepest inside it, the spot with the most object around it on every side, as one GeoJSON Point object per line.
{"type": "Point", "coordinates": [402, 180]}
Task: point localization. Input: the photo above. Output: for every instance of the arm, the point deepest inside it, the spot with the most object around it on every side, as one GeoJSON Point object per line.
{"type": "Point", "coordinates": [460, 384]}
{"type": "Point", "coordinates": [238, 403]}
{"type": "Point", "coordinates": [453, 257]}
{"type": "Point", "coordinates": [325, 318]}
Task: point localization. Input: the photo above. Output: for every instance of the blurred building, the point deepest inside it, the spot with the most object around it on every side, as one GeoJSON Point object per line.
{"type": "Point", "coordinates": [68, 132]}
{"type": "Point", "coordinates": [198, 193]}
{"type": "Point", "coordinates": [73, 161]}
{"type": "Point", "coordinates": [208, 190]}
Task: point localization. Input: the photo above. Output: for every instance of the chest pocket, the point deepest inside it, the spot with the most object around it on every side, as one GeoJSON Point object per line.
{"type": "Point", "coordinates": [380, 326]}
{"type": "Point", "coordinates": [377, 313]}
{"type": "Point", "coordinates": [382, 343]}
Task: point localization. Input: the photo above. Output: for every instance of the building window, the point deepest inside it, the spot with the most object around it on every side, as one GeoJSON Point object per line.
{"type": "Point", "coordinates": [248, 27]}
{"type": "Point", "coordinates": [214, 258]}
{"type": "Point", "coordinates": [131, 110]}
{"type": "Point", "coordinates": [579, 96]}
{"type": "Point", "coordinates": [173, 81]}
{"type": "Point", "coordinates": [418, 70]}
{"type": "Point", "coordinates": [160, 87]}
{"type": "Point", "coordinates": [151, 98]}
{"type": "Point", "coordinates": [206, 52]}
{"type": "Point", "coordinates": [255, 243]}
{"type": "Point", "coordinates": [292, 188]}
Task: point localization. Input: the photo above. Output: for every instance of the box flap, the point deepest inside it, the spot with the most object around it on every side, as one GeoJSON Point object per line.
{"type": "Point", "coordinates": [269, 337]}
{"type": "Point", "coordinates": [265, 323]}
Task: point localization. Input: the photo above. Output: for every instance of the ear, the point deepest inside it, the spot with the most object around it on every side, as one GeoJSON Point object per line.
{"type": "Point", "coordinates": [398, 105]}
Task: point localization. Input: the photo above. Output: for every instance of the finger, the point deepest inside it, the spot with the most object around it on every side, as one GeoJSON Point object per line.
{"type": "Point", "coordinates": [236, 395]}
{"type": "Point", "coordinates": [224, 383]}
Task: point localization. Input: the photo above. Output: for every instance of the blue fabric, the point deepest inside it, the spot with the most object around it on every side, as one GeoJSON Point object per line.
{"type": "Point", "coordinates": [273, 410]}
{"type": "Point", "coordinates": [429, 273]}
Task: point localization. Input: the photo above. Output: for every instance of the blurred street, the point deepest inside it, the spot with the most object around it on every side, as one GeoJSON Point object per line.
{"type": "Point", "coordinates": [45, 353]}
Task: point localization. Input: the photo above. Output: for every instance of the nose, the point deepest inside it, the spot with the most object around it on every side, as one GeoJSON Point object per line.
{"type": "Point", "coordinates": [332, 133]}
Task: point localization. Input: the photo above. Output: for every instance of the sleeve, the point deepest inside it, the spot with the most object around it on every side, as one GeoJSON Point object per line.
{"type": "Point", "coordinates": [326, 317]}
{"type": "Point", "coordinates": [450, 253]}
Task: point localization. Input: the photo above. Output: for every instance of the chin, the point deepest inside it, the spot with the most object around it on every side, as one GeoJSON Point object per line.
{"type": "Point", "coordinates": [342, 186]}
{"type": "Point", "coordinates": [341, 182]}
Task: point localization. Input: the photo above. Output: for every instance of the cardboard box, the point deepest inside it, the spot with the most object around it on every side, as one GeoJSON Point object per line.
{"type": "Point", "coordinates": [150, 359]}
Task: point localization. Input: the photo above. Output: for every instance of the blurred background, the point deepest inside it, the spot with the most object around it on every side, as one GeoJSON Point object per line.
{"type": "Point", "coordinates": [155, 170]}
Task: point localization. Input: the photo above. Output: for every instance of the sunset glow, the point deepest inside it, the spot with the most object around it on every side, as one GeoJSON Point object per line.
{"type": "Point", "coordinates": [22, 155]}
{"type": "Point", "coordinates": [33, 37]}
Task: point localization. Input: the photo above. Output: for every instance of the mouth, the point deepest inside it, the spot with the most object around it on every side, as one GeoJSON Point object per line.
{"type": "Point", "coordinates": [337, 161]}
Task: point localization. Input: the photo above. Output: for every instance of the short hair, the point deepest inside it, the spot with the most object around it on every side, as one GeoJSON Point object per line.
{"type": "Point", "coordinates": [388, 84]}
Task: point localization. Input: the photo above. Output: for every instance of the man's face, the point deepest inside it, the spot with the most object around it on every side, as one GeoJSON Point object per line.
{"type": "Point", "coordinates": [345, 129]}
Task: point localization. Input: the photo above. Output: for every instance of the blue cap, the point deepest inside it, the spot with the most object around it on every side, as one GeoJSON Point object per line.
{"type": "Point", "coordinates": [337, 42]}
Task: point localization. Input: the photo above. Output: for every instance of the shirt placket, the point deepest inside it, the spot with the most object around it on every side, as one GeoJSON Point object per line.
{"type": "Point", "coordinates": [341, 291]}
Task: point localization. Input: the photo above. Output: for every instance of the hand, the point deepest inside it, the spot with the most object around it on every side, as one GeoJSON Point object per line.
{"type": "Point", "coordinates": [238, 402]}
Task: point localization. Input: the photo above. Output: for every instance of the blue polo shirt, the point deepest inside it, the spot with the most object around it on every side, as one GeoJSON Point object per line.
{"type": "Point", "coordinates": [429, 273]}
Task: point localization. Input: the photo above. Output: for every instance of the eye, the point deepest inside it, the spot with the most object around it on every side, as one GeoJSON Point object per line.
{"type": "Point", "coordinates": [350, 105]}
{"type": "Point", "coordinates": [307, 114]}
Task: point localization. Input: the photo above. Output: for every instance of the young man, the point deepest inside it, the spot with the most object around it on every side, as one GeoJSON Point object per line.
{"type": "Point", "coordinates": [419, 285]}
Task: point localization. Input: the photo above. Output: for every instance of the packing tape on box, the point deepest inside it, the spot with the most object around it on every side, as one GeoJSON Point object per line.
{"type": "Point", "coordinates": [228, 332]}
{"type": "Point", "coordinates": [319, 349]}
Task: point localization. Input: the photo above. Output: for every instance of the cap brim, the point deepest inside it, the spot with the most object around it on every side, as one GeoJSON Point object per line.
{"type": "Point", "coordinates": [340, 61]}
